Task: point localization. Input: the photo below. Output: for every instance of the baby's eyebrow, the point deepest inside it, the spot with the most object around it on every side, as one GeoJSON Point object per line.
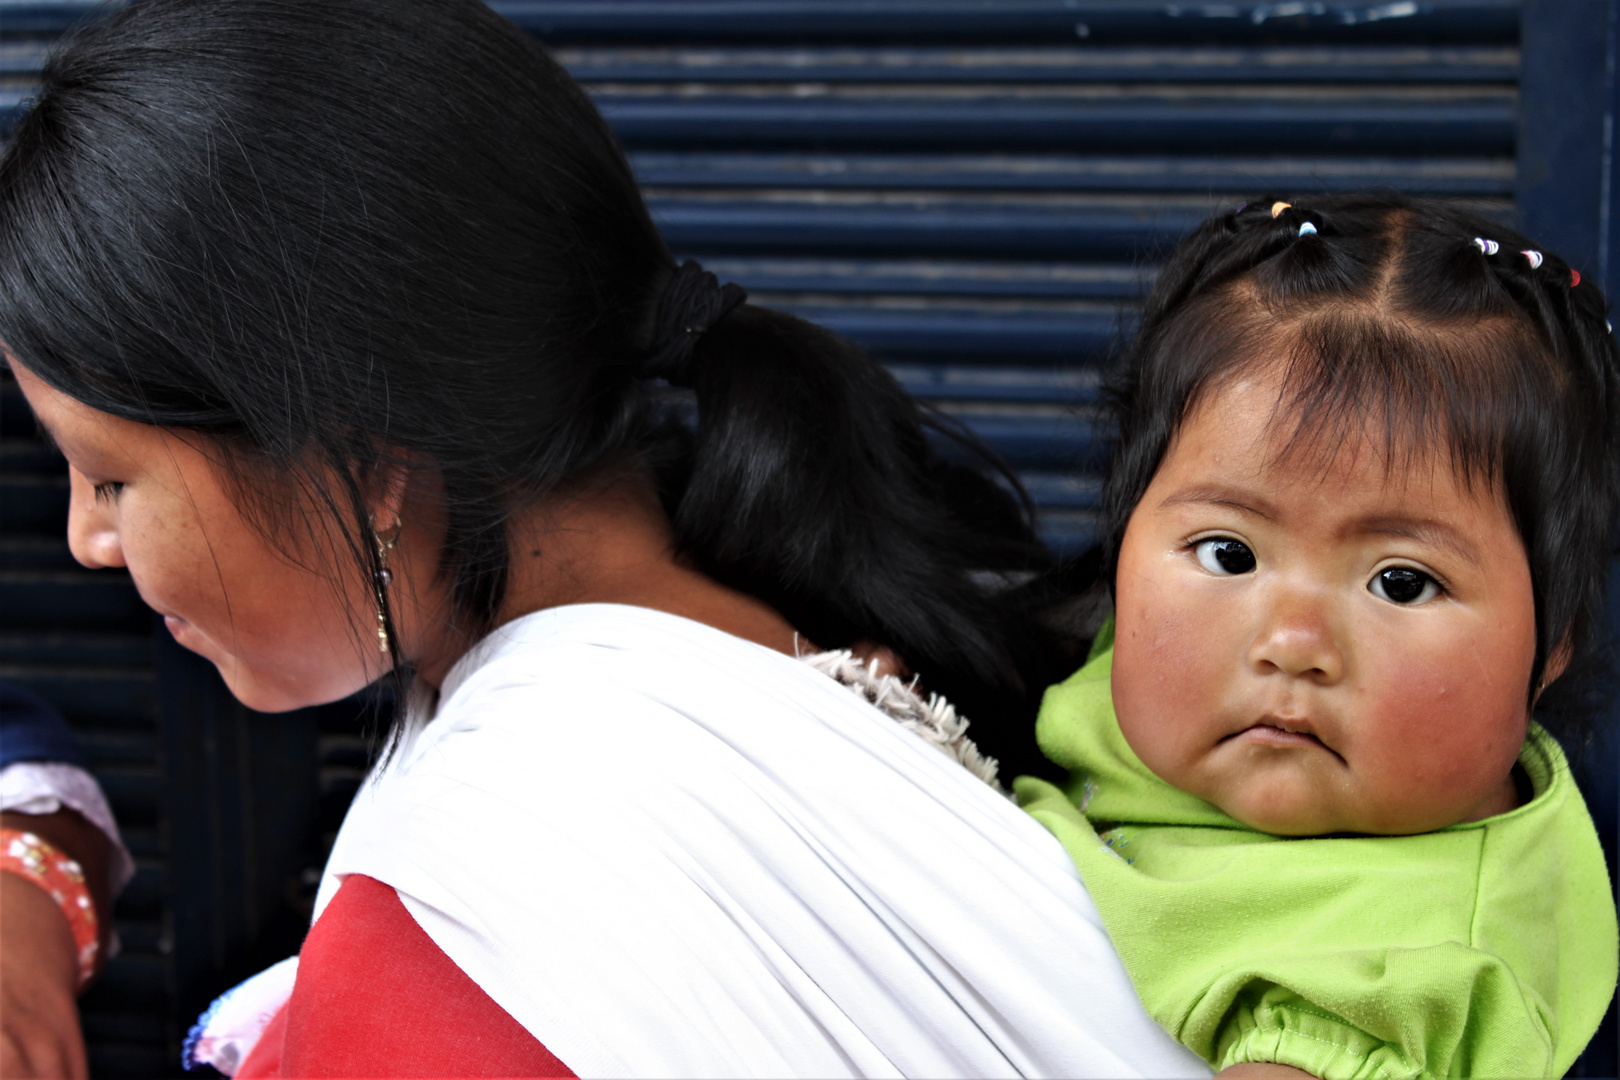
{"type": "Point", "coordinates": [1245, 502]}
{"type": "Point", "coordinates": [1424, 531]}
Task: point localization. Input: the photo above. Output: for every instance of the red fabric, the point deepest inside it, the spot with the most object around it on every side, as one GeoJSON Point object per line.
{"type": "Point", "coordinates": [376, 997]}
{"type": "Point", "coordinates": [265, 1058]}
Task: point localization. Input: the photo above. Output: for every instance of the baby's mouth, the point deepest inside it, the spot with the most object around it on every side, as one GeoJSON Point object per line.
{"type": "Point", "coordinates": [1279, 732]}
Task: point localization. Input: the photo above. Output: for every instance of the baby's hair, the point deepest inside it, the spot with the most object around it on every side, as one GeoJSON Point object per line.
{"type": "Point", "coordinates": [1452, 333]}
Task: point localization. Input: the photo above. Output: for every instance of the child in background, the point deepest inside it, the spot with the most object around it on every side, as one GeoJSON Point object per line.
{"type": "Point", "coordinates": [1359, 518]}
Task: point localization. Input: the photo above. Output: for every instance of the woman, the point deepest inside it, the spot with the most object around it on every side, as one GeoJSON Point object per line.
{"type": "Point", "coordinates": [353, 327]}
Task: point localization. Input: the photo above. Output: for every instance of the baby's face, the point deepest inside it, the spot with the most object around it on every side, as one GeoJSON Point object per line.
{"type": "Point", "coordinates": [1320, 649]}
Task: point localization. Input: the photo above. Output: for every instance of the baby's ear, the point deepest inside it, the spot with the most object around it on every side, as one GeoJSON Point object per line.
{"type": "Point", "coordinates": [1557, 664]}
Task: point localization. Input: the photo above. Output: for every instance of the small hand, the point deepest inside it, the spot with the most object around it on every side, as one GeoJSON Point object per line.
{"type": "Point", "coordinates": [39, 1021]}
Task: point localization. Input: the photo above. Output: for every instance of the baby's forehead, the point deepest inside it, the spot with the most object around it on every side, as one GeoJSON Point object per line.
{"type": "Point", "coordinates": [1292, 412]}
{"type": "Point", "coordinates": [1252, 430]}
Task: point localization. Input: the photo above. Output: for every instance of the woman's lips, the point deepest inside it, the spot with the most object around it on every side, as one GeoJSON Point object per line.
{"type": "Point", "coordinates": [175, 624]}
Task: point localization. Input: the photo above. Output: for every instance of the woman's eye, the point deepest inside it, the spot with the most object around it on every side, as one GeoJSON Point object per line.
{"type": "Point", "coordinates": [1404, 585]}
{"type": "Point", "coordinates": [108, 492]}
{"type": "Point", "coordinates": [1223, 555]}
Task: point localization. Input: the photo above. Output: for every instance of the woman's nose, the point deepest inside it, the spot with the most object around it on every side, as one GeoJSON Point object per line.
{"type": "Point", "coordinates": [92, 526]}
{"type": "Point", "coordinates": [1298, 639]}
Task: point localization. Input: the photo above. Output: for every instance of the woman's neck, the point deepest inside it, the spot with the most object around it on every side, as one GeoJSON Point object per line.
{"type": "Point", "coordinates": [606, 544]}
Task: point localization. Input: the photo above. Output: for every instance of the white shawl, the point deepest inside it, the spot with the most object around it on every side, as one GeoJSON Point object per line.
{"type": "Point", "coordinates": [669, 852]}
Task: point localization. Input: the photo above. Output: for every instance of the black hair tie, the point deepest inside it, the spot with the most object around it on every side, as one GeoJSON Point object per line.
{"type": "Point", "coordinates": [693, 301]}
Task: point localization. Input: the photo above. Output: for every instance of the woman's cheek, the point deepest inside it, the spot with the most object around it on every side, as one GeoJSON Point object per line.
{"type": "Point", "coordinates": [171, 564]}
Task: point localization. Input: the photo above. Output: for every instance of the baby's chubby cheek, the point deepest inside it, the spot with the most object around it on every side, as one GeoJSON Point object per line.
{"type": "Point", "coordinates": [1434, 730]}
{"type": "Point", "coordinates": [1169, 673]}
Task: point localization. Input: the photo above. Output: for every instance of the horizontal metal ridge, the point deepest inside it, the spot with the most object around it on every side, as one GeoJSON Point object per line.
{"type": "Point", "coordinates": [33, 503]}
{"type": "Point", "coordinates": [1148, 125]}
{"type": "Point", "coordinates": [924, 334]}
{"type": "Point", "coordinates": [948, 20]}
{"type": "Point", "coordinates": [134, 978]}
{"type": "Point", "coordinates": [29, 456]}
{"type": "Point", "coordinates": [982, 21]}
{"type": "Point", "coordinates": [1071, 533]}
{"type": "Point", "coordinates": [1382, 65]}
{"type": "Point", "coordinates": [1379, 64]}
{"type": "Point", "coordinates": [107, 749]}
{"type": "Point", "coordinates": [930, 277]}
{"type": "Point", "coordinates": [1157, 173]}
{"type": "Point", "coordinates": [99, 601]}
{"type": "Point", "coordinates": [1207, 97]}
{"type": "Point", "coordinates": [1068, 386]}
{"type": "Point", "coordinates": [1033, 437]}
{"type": "Point", "coordinates": [125, 1023]}
{"type": "Point", "coordinates": [36, 552]}
{"type": "Point", "coordinates": [780, 223]}
{"type": "Point", "coordinates": [1062, 491]}
{"type": "Point", "coordinates": [16, 419]}
{"type": "Point", "coordinates": [107, 698]}
{"type": "Point", "coordinates": [88, 648]}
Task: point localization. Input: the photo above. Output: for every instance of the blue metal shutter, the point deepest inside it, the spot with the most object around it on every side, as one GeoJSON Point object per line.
{"type": "Point", "coordinates": [976, 190]}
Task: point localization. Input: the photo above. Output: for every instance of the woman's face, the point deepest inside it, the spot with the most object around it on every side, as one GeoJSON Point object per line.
{"type": "Point", "coordinates": [286, 628]}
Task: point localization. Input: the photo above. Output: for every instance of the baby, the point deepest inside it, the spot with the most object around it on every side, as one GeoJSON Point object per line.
{"type": "Point", "coordinates": [1359, 518]}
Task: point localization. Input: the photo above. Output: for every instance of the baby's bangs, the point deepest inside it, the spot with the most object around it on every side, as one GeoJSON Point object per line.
{"type": "Point", "coordinates": [1411, 392]}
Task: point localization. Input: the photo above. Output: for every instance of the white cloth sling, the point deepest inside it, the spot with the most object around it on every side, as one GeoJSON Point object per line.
{"type": "Point", "coordinates": [669, 852]}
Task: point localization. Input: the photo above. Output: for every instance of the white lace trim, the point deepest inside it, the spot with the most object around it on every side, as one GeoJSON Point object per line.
{"type": "Point", "coordinates": [936, 719]}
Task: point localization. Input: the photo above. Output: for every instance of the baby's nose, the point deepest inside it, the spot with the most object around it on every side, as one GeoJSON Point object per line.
{"type": "Point", "coordinates": [1297, 639]}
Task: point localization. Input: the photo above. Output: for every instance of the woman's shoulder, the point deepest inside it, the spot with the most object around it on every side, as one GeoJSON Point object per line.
{"type": "Point", "coordinates": [606, 672]}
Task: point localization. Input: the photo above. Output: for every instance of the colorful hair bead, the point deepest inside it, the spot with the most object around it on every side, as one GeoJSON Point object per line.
{"type": "Point", "coordinates": [1574, 277]}
{"type": "Point", "coordinates": [1534, 258]}
{"type": "Point", "coordinates": [1307, 229]}
{"type": "Point", "coordinates": [1278, 207]}
{"type": "Point", "coordinates": [1487, 247]}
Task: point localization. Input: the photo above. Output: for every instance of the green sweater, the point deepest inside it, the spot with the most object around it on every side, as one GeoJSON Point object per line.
{"type": "Point", "coordinates": [1484, 949]}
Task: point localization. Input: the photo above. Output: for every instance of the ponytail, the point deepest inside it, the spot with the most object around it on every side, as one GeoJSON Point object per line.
{"type": "Point", "coordinates": [811, 483]}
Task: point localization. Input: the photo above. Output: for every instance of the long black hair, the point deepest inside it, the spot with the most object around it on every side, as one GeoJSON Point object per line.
{"type": "Point", "coordinates": [1446, 329]}
{"type": "Point", "coordinates": [331, 235]}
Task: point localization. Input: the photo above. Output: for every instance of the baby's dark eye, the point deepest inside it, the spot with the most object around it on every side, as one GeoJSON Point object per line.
{"type": "Point", "coordinates": [1404, 585]}
{"type": "Point", "coordinates": [108, 492]}
{"type": "Point", "coordinates": [1223, 555]}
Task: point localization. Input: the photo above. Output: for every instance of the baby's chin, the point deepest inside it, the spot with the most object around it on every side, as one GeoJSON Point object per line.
{"type": "Point", "coordinates": [1299, 814]}
{"type": "Point", "coordinates": [1285, 817]}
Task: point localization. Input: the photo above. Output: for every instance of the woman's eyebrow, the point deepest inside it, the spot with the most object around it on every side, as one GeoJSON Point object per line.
{"type": "Point", "coordinates": [1424, 531]}
{"type": "Point", "coordinates": [1244, 502]}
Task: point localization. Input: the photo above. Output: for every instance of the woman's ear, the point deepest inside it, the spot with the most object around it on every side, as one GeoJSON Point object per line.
{"type": "Point", "coordinates": [386, 494]}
